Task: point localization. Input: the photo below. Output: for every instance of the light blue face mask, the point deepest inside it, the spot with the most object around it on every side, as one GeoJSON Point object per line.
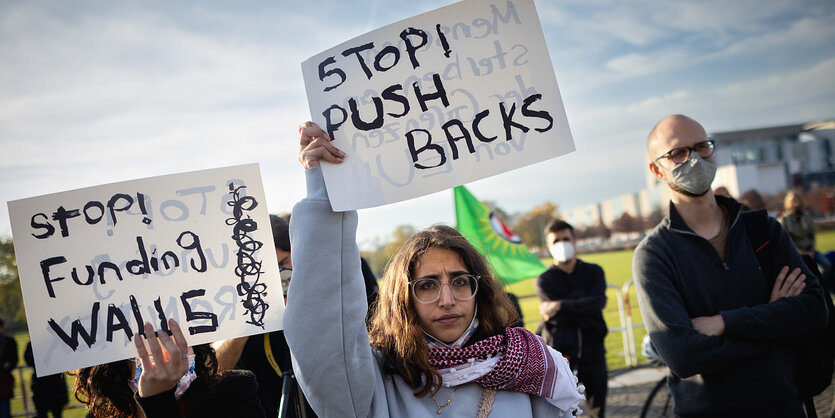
{"type": "Point", "coordinates": [182, 385]}
{"type": "Point", "coordinates": [694, 175]}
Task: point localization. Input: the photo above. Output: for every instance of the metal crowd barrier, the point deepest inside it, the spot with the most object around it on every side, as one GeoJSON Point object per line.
{"type": "Point", "coordinates": [627, 325]}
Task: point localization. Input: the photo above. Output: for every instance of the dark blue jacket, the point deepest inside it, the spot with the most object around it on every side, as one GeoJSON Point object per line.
{"type": "Point", "coordinates": [579, 324]}
{"type": "Point", "coordinates": [748, 370]}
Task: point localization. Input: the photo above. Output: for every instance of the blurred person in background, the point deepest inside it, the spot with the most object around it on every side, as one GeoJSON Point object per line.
{"type": "Point", "coordinates": [752, 200]}
{"type": "Point", "coordinates": [48, 392]}
{"type": "Point", "coordinates": [797, 221]}
{"type": "Point", "coordinates": [572, 296]}
{"type": "Point", "coordinates": [8, 361]}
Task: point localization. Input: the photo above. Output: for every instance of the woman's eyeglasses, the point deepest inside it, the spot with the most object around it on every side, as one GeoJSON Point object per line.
{"type": "Point", "coordinates": [463, 287]}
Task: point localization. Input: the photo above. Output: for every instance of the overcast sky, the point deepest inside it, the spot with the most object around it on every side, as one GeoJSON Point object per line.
{"type": "Point", "coordinates": [96, 92]}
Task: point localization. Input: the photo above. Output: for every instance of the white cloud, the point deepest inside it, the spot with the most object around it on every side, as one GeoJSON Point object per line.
{"type": "Point", "coordinates": [633, 65]}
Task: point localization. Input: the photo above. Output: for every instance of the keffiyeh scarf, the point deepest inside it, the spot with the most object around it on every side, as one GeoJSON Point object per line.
{"type": "Point", "coordinates": [517, 360]}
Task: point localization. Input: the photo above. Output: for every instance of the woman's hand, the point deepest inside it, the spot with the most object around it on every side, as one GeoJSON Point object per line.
{"type": "Point", "coordinates": [315, 145]}
{"type": "Point", "coordinates": [170, 362]}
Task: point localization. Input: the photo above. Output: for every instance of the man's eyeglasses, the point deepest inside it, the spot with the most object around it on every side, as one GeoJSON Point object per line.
{"type": "Point", "coordinates": [682, 154]}
{"type": "Point", "coordinates": [463, 287]}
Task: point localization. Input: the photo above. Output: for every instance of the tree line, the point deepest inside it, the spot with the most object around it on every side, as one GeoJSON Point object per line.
{"type": "Point", "coordinates": [527, 225]}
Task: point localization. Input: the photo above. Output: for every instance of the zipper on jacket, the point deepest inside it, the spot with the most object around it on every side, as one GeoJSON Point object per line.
{"type": "Point", "coordinates": [723, 263]}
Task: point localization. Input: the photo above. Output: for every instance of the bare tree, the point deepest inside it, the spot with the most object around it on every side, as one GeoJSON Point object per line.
{"type": "Point", "coordinates": [11, 298]}
{"type": "Point", "coordinates": [530, 225]}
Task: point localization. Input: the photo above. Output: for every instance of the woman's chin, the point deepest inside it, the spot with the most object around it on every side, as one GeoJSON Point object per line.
{"type": "Point", "coordinates": [448, 335]}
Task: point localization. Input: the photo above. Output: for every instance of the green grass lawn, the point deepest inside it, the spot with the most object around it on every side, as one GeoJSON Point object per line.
{"type": "Point", "coordinates": [618, 268]}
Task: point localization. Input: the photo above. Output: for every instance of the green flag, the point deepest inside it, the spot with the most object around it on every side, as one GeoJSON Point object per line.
{"type": "Point", "coordinates": [511, 260]}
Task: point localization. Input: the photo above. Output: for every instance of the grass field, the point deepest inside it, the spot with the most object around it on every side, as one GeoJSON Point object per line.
{"type": "Point", "coordinates": [618, 268]}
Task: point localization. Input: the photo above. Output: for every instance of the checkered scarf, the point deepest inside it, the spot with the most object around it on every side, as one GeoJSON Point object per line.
{"type": "Point", "coordinates": [525, 365]}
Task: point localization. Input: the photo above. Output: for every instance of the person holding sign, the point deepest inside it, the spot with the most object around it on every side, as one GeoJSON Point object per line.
{"type": "Point", "coordinates": [172, 380]}
{"type": "Point", "coordinates": [438, 340]}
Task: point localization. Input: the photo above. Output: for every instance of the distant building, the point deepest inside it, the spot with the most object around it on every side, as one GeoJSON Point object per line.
{"type": "Point", "coordinates": [774, 159]}
{"type": "Point", "coordinates": [583, 217]}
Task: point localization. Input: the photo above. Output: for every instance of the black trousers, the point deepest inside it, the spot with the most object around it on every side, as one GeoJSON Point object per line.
{"type": "Point", "coordinates": [591, 371]}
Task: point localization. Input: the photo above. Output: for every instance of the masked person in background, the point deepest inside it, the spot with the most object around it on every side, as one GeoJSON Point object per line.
{"type": "Point", "coordinates": [713, 316]}
{"type": "Point", "coordinates": [572, 294]}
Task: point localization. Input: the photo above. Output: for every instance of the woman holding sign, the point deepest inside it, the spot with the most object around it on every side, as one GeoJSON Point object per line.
{"type": "Point", "coordinates": [172, 380]}
{"type": "Point", "coordinates": [438, 342]}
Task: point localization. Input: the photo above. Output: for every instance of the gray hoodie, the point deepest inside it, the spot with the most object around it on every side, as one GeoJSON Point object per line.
{"type": "Point", "coordinates": [324, 325]}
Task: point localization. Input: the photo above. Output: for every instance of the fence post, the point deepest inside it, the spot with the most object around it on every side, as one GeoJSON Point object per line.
{"type": "Point", "coordinates": [23, 391]}
{"type": "Point", "coordinates": [627, 354]}
{"type": "Point", "coordinates": [630, 335]}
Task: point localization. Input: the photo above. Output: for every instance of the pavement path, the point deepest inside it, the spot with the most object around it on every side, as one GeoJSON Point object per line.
{"type": "Point", "coordinates": [629, 389]}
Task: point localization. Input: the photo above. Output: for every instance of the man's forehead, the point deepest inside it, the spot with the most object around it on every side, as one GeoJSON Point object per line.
{"type": "Point", "coordinates": [673, 132]}
{"type": "Point", "coordinates": [561, 233]}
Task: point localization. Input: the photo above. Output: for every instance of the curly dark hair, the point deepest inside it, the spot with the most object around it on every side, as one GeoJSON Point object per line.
{"type": "Point", "coordinates": [104, 388]}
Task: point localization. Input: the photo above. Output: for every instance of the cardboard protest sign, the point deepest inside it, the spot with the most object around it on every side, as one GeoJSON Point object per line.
{"type": "Point", "coordinates": [444, 98]}
{"type": "Point", "coordinates": [97, 263]}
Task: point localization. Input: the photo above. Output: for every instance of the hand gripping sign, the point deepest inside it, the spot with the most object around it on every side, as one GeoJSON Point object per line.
{"type": "Point", "coordinates": [97, 263]}
{"type": "Point", "coordinates": [444, 98]}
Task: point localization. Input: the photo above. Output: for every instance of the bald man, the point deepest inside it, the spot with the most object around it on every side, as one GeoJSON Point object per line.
{"type": "Point", "coordinates": [714, 319]}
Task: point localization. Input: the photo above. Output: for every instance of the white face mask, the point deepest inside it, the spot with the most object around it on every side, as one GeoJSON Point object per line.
{"type": "Point", "coordinates": [562, 251]}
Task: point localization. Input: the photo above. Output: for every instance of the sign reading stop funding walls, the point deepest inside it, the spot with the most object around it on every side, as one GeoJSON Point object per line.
{"type": "Point", "coordinates": [95, 264]}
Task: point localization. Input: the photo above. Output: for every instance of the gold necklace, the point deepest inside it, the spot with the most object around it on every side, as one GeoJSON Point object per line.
{"type": "Point", "coordinates": [441, 407]}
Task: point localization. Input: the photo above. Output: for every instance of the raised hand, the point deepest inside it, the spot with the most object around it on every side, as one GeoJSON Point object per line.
{"type": "Point", "coordinates": [170, 359]}
{"type": "Point", "coordinates": [315, 145]}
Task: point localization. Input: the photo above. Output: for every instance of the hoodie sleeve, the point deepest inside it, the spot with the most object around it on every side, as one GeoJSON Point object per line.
{"type": "Point", "coordinates": [787, 317]}
{"type": "Point", "coordinates": [324, 321]}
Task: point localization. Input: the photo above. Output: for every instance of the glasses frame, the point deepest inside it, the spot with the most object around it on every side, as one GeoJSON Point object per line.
{"type": "Point", "coordinates": [475, 291]}
{"type": "Point", "coordinates": [668, 154]}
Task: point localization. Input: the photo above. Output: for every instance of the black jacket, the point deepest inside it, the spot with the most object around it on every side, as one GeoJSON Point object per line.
{"type": "Point", "coordinates": [748, 370]}
{"type": "Point", "coordinates": [47, 391]}
{"type": "Point", "coordinates": [233, 396]}
{"type": "Point", "coordinates": [579, 326]}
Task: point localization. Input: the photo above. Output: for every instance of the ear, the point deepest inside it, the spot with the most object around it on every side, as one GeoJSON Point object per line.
{"type": "Point", "coordinates": [656, 171]}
